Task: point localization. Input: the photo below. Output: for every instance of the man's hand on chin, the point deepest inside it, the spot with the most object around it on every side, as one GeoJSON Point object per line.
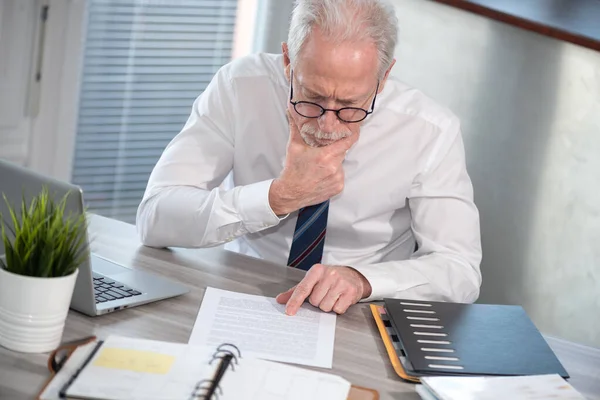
{"type": "Point", "coordinates": [327, 287]}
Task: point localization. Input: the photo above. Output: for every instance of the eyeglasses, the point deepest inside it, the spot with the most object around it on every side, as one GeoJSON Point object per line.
{"type": "Point", "coordinates": [314, 110]}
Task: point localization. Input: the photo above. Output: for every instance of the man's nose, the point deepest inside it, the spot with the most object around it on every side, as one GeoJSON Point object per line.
{"type": "Point", "coordinates": [328, 121]}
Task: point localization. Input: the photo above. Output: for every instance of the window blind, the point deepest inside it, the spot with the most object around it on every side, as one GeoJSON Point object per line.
{"type": "Point", "coordinates": [145, 61]}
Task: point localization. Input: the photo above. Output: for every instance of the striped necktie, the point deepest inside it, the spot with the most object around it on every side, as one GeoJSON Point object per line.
{"type": "Point", "coordinates": [309, 236]}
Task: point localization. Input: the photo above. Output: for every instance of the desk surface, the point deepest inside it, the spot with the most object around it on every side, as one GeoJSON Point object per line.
{"type": "Point", "coordinates": [359, 354]}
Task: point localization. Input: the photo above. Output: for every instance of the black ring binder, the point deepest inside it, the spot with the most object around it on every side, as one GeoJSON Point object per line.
{"type": "Point", "coordinates": [208, 389]}
{"type": "Point", "coordinates": [202, 388]}
{"type": "Point", "coordinates": [223, 351]}
{"type": "Point", "coordinates": [63, 392]}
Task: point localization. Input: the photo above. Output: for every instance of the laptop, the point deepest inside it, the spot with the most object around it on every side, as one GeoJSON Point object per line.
{"type": "Point", "coordinates": [102, 285]}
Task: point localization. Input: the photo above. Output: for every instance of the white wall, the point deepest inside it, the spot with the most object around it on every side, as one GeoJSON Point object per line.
{"type": "Point", "coordinates": [37, 117]}
{"type": "Point", "coordinates": [18, 21]}
{"type": "Point", "coordinates": [530, 111]}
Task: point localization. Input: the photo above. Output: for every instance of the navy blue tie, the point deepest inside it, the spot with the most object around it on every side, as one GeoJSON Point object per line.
{"type": "Point", "coordinates": [309, 236]}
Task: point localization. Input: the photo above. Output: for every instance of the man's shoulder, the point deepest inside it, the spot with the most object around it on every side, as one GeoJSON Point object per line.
{"type": "Point", "coordinates": [256, 65]}
{"type": "Point", "coordinates": [406, 100]}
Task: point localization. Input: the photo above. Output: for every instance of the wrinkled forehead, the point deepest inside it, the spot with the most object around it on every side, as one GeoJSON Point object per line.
{"type": "Point", "coordinates": [344, 69]}
{"type": "Point", "coordinates": [344, 91]}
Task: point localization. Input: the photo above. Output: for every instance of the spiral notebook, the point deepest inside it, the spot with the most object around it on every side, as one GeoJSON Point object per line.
{"type": "Point", "coordinates": [121, 368]}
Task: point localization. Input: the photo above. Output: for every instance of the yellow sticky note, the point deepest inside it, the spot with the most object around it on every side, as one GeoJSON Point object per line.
{"type": "Point", "coordinates": [134, 360]}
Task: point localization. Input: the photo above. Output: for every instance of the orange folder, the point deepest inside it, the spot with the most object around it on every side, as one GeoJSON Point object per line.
{"type": "Point", "coordinates": [378, 312]}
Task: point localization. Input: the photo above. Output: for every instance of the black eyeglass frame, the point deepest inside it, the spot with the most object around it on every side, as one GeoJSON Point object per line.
{"type": "Point", "coordinates": [324, 110]}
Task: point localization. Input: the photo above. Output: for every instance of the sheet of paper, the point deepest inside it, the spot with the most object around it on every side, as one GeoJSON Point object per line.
{"type": "Point", "coordinates": [255, 379]}
{"type": "Point", "coordinates": [138, 369]}
{"type": "Point", "coordinates": [532, 387]}
{"type": "Point", "coordinates": [260, 328]}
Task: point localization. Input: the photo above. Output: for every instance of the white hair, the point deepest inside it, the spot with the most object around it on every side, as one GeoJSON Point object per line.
{"type": "Point", "coordinates": [346, 20]}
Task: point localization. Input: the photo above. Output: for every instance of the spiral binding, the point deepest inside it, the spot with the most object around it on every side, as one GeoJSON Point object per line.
{"type": "Point", "coordinates": [203, 388]}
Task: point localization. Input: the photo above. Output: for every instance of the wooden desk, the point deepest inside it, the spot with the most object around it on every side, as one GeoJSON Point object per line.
{"type": "Point", "coordinates": [359, 353]}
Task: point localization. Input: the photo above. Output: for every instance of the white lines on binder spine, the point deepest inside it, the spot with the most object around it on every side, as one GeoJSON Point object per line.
{"type": "Point", "coordinates": [433, 341]}
{"type": "Point", "coordinates": [426, 326]}
{"type": "Point", "coordinates": [437, 350]}
{"type": "Point", "coordinates": [430, 333]}
{"type": "Point", "coordinates": [440, 366]}
{"type": "Point", "coordinates": [419, 311]}
{"type": "Point", "coordinates": [441, 358]}
{"type": "Point", "coordinates": [415, 304]}
{"type": "Point", "coordinates": [422, 318]}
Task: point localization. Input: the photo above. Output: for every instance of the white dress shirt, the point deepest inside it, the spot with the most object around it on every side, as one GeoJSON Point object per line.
{"type": "Point", "coordinates": [405, 180]}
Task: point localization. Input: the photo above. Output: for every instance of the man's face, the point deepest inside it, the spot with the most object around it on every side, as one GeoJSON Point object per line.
{"type": "Point", "coordinates": [332, 76]}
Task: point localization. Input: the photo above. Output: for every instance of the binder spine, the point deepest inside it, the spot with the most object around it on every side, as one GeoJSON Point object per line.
{"type": "Point", "coordinates": [209, 389]}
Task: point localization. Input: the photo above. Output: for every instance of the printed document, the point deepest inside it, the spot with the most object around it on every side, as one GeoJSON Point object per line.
{"type": "Point", "coordinates": [260, 327]}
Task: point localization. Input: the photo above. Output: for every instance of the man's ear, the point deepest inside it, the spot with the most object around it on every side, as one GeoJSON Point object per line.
{"type": "Point", "coordinates": [286, 60]}
{"type": "Point", "coordinates": [385, 77]}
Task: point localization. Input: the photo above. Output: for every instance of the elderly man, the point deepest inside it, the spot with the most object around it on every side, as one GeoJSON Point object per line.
{"type": "Point", "coordinates": [335, 169]}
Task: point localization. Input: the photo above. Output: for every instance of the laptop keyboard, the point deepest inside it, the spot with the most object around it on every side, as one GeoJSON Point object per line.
{"type": "Point", "coordinates": [106, 289]}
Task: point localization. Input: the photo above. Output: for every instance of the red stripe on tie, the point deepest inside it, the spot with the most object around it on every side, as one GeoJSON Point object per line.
{"type": "Point", "coordinates": [308, 250]}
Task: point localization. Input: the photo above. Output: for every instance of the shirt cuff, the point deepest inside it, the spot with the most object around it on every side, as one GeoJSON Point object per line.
{"type": "Point", "coordinates": [254, 207]}
{"type": "Point", "coordinates": [385, 286]}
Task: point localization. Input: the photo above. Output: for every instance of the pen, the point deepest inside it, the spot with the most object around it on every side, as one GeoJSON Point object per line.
{"type": "Point", "coordinates": [223, 365]}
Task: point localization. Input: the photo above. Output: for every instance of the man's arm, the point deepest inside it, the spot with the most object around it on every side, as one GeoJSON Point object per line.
{"type": "Point", "coordinates": [445, 222]}
{"type": "Point", "coordinates": [183, 205]}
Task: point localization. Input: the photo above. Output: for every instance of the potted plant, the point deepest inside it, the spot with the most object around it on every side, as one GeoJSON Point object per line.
{"type": "Point", "coordinates": [43, 248]}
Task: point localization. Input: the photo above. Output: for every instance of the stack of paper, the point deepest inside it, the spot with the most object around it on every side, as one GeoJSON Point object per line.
{"type": "Point", "coordinates": [497, 388]}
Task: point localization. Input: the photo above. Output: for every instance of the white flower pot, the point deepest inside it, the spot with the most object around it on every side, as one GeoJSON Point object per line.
{"type": "Point", "coordinates": [33, 311]}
